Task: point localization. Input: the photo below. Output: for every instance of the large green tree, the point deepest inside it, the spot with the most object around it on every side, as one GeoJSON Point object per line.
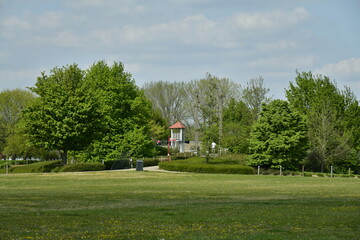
{"type": "Point", "coordinates": [330, 142]}
{"type": "Point", "coordinates": [65, 115]}
{"type": "Point", "coordinates": [238, 120]}
{"type": "Point", "coordinates": [211, 94]}
{"type": "Point", "coordinates": [351, 117]}
{"type": "Point", "coordinates": [278, 137]}
{"type": "Point", "coordinates": [126, 114]}
{"type": "Point", "coordinates": [12, 103]}
{"type": "Point", "coordinates": [332, 117]}
{"type": "Point", "coordinates": [309, 92]}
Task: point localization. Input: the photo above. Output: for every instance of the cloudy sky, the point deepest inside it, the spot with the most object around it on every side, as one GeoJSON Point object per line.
{"type": "Point", "coordinates": [182, 40]}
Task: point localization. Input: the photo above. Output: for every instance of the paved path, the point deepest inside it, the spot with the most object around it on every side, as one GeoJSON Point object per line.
{"type": "Point", "coordinates": [150, 169]}
{"type": "Point", "coordinates": [153, 168]}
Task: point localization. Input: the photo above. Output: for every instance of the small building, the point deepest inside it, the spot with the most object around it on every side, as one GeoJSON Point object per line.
{"type": "Point", "coordinates": [178, 136]}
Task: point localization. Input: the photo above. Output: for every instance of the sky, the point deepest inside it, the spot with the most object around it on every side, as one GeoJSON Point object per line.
{"type": "Point", "coordinates": [182, 40]}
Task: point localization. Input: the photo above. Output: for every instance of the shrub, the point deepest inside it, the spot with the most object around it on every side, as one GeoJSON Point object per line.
{"type": "Point", "coordinates": [79, 167]}
{"type": "Point", "coordinates": [39, 167]}
{"type": "Point", "coordinates": [16, 162]}
{"type": "Point", "coordinates": [288, 173]}
{"type": "Point", "coordinates": [161, 150]}
{"type": "Point", "coordinates": [234, 158]}
{"type": "Point", "coordinates": [198, 165]}
{"type": "Point", "coordinates": [148, 162]}
{"type": "Point", "coordinates": [308, 174]}
{"type": "Point", "coordinates": [4, 163]}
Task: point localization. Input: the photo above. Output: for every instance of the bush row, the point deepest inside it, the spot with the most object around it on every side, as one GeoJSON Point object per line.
{"type": "Point", "coordinates": [80, 167]}
{"type": "Point", "coordinates": [56, 166]}
{"type": "Point", "coordinates": [198, 165]}
{"type": "Point", "coordinates": [16, 162]}
{"type": "Point", "coordinates": [46, 166]}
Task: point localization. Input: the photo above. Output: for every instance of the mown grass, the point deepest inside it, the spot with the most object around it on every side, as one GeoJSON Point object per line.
{"type": "Point", "coordinates": [153, 205]}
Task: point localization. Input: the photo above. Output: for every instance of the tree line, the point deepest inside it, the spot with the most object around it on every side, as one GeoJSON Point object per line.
{"type": "Point", "coordinates": [100, 114]}
{"type": "Point", "coordinates": [318, 125]}
{"type": "Point", "coordinates": [93, 115]}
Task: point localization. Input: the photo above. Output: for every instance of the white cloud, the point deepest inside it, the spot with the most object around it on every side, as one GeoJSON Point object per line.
{"type": "Point", "coordinates": [15, 23]}
{"type": "Point", "coordinates": [11, 26]}
{"type": "Point", "coordinates": [67, 39]}
{"type": "Point", "coordinates": [51, 19]}
{"type": "Point", "coordinates": [290, 63]}
{"type": "Point", "coordinates": [192, 29]}
{"type": "Point", "coordinates": [179, 39]}
{"type": "Point", "coordinates": [195, 30]}
{"type": "Point", "coordinates": [189, 30]}
{"type": "Point", "coordinates": [106, 37]}
{"type": "Point", "coordinates": [62, 39]}
{"type": "Point", "coordinates": [269, 21]}
{"type": "Point", "coordinates": [61, 29]}
{"type": "Point", "coordinates": [108, 6]}
{"type": "Point", "coordinates": [277, 45]}
{"type": "Point", "coordinates": [199, 29]}
{"type": "Point", "coordinates": [345, 72]}
{"type": "Point", "coordinates": [347, 67]}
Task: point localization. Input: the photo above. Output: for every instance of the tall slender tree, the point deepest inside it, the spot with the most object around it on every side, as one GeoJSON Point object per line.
{"type": "Point", "coordinates": [213, 94]}
{"type": "Point", "coordinates": [254, 95]}
{"type": "Point", "coordinates": [168, 98]}
{"type": "Point", "coordinates": [12, 103]}
{"type": "Point", "coordinates": [238, 120]}
{"type": "Point", "coordinates": [331, 116]}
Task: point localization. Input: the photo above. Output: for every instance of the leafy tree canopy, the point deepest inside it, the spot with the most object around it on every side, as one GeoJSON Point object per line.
{"type": "Point", "coordinates": [238, 119]}
{"type": "Point", "coordinates": [12, 103]}
{"type": "Point", "coordinates": [332, 119]}
{"type": "Point", "coordinates": [65, 115]}
{"type": "Point", "coordinates": [310, 92]}
{"type": "Point", "coordinates": [126, 121]}
{"type": "Point", "coordinates": [278, 137]}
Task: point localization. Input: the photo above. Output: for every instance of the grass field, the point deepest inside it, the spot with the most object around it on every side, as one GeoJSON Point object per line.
{"type": "Point", "coordinates": [155, 205]}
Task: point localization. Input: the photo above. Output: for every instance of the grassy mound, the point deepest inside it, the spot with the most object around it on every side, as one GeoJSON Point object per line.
{"type": "Point", "coordinates": [199, 165]}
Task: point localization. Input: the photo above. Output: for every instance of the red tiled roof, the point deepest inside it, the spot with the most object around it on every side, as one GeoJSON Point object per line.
{"type": "Point", "coordinates": [178, 125]}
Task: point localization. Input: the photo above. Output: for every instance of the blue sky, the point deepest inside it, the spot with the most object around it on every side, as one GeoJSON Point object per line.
{"type": "Point", "coordinates": [182, 40]}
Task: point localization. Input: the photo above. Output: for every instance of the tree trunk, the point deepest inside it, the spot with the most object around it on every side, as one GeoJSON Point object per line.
{"type": "Point", "coordinates": [196, 120]}
{"type": "Point", "coordinates": [322, 165]}
{"type": "Point", "coordinates": [64, 154]}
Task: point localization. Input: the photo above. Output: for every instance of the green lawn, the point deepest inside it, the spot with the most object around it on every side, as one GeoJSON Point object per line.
{"type": "Point", "coordinates": [154, 205]}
